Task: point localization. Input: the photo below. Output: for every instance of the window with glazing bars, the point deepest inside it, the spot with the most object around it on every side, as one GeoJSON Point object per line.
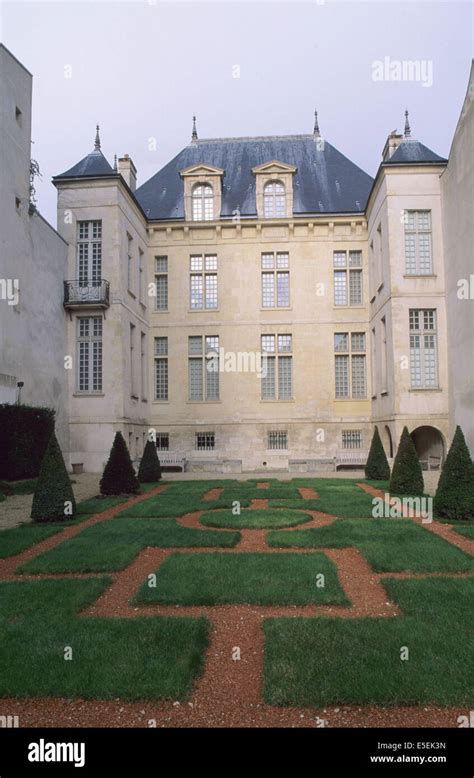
{"type": "Point", "coordinates": [89, 252]}
{"type": "Point", "coordinates": [350, 365]}
{"type": "Point", "coordinates": [277, 367]}
{"type": "Point", "coordinates": [205, 441]}
{"type": "Point", "coordinates": [203, 368]}
{"type": "Point", "coordinates": [202, 202]}
{"type": "Point", "coordinates": [275, 279]}
{"type": "Point", "coordinates": [161, 368]}
{"type": "Point", "coordinates": [277, 440]}
{"type": "Point", "coordinates": [423, 348]}
{"type": "Point", "coordinates": [347, 278]}
{"type": "Point", "coordinates": [89, 346]}
{"type": "Point", "coordinates": [418, 255]}
{"type": "Point", "coordinates": [162, 441]}
{"type": "Point", "coordinates": [161, 282]}
{"type": "Point", "coordinates": [351, 439]}
{"type": "Point", "coordinates": [274, 200]}
{"type": "Point", "coordinates": [203, 281]}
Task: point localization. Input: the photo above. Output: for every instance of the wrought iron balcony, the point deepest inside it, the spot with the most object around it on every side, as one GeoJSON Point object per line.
{"type": "Point", "coordinates": [87, 294]}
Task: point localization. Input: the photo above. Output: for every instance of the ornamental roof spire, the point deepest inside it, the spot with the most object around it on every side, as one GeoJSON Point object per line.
{"type": "Point", "coordinates": [407, 131]}
{"type": "Point", "coordinates": [194, 135]}
{"type": "Point", "coordinates": [316, 131]}
{"type": "Point", "coordinates": [97, 139]}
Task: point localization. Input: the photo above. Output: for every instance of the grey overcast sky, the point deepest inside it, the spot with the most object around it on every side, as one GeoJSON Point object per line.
{"type": "Point", "coordinates": [141, 69]}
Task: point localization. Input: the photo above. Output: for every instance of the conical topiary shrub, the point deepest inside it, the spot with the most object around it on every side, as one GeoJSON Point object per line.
{"type": "Point", "coordinates": [407, 476]}
{"type": "Point", "coordinates": [149, 470]}
{"type": "Point", "coordinates": [53, 499]}
{"type": "Point", "coordinates": [455, 493]}
{"type": "Point", "coordinates": [119, 476]}
{"type": "Point", "coordinates": [377, 467]}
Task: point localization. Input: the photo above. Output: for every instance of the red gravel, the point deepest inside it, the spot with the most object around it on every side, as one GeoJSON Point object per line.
{"type": "Point", "coordinates": [258, 505]}
{"type": "Point", "coordinates": [263, 485]}
{"type": "Point", "coordinates": [212, 494]}
{"type": "Point", "coordinates": [307, 493]}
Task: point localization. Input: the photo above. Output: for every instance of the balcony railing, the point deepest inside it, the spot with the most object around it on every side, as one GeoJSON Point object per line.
{"type": "Point", "coordinates": [92, 294]}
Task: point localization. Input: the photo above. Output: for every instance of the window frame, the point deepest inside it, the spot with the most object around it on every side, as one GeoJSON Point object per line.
{"type": "Point", "coordinates": [90, 339]}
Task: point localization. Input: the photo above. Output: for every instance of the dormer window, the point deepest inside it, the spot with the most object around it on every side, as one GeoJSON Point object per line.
{"type": "Point", "coordinates": [202, 202]}
{"type": "Point", "coordinates": [274, 200]}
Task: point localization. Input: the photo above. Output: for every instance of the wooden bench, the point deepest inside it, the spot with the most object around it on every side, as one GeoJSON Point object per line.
{"type": "Point", "coordinates": [171, 460]}
{"type": "Point", "coordinates": [350, 458]}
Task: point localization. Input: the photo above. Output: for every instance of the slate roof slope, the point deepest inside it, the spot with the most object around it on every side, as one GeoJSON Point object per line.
{"type": "Point", "coordinates": [413, 151]}
{"type": "Point", "coordinates": [94, 164]}
{"type": "Point", "coordinates": [325, 180]}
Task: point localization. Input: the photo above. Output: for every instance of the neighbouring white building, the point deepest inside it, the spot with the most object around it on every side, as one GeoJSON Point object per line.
{"type": "Point", "coordinates": [261, 302]}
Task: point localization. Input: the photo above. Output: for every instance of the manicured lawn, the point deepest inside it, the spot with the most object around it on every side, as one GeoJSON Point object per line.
{"type": "Point", "coordinates": [17, 539]}
{"type": "Point", "coordinates": [254, 578]}
{"type": "Point", "coordinates": [337, 496]}
{"type": "Point", "coordinates": [322, 661]}
{"type": "Point", "coordinates": [142, 658]}
{"type": "Point", "coordinates": [113, 544]}
{"type": "Point", "coordinates": [467, 531]}
{"type": "Point", "coordinates": [258, 519]}
{"type": "Point", "coordinates": [389, 545]}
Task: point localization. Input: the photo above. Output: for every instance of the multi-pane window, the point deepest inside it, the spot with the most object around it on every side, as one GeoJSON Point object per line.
{"type": "Point", "coordinates": [277, 367]}
{"type": "Point", "coordinates": [133, 381]}
{"type": "Point", "coordinates": [162, 441]}
{"type": "Point", "coordinates": [423, 348]}
{"type": "Point", "coordinates": [277, 440]}
{"type": "Point", "coordinates": [89, 252]}
{"type": "Point", "coordinates": [129, 263]}
{"type": "Point", "coordinates": [350, 367]}
{"type": "Point", "coordinates": [89, 346]}
{"type": "Point", "coordinates": [347, 278]}
{"type": "Point", "coordinates": [143, 367]}
{"type": "Point", "coordinates": [418, 258]}
{"type": "Point", "coordinates": [161, 368]}
{"type": "Point", "coordinates": [161, 282]}
{"type": "Point", "coordinates": [202, 202]}
{"type": "Point", "coordinates": [141, 276]}
{"type": "Point", "coordinates": [205, 441]}
{"type": "Point", "coordinates": [274, 200]}
{"type": "Point", "coordinates": [203, 281]}
{"type": "Point", "coordinates": [276, 279]}
{"type": "Point", "coordinates": [203, 367]}
{"type": "Point", "coordinates": [351, 439]}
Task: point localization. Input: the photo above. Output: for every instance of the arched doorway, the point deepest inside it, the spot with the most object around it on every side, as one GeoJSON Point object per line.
{"type": "Point", "coordinates": [429, 445]}
{"type": "Point", "coordinates": [388, 443]}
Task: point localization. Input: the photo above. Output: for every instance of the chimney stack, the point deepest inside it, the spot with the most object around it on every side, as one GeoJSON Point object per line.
{"type": "Point", "coordinates": [391, 145]}
{"type": "Point", "coordinates": [128, 171]}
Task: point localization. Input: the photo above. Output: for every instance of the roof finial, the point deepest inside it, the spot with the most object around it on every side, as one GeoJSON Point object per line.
{"type": "Point", "coordinates": [407, 132]}
{"type": "Point", "coordinates": [194, 135]}
{"type": "Point", "coordinates": [97, 139]}
{"type": "Point", "coordinates": [115, 162]}
{"type": "Point", "coordinates": [316, 131]}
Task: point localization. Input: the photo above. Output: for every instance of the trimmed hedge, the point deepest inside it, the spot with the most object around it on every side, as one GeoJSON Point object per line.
{"type": "Point", "coordinates": [119, 476]}
{"type": "Point", "coordinates": [53, 489]}
{"type": "Point", "coordinates": [149, 470]}
{"type": "Point", "coordinates": [455, 493]}
{"type": "Point", "coordinates": [377, 467]}
{"type": "Point", "coordinates": [407, 476]}
{"type": "Point", "coordinates": [25, 432]}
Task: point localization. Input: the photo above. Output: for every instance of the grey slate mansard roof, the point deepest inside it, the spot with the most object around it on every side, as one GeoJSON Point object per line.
{"type": "Point", "coordinates": [325, 180]}
{"type": "Point", "coordinates": [413, 151]}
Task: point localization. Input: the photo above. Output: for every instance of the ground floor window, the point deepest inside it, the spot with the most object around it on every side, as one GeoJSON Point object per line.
{"type": "Point", "coordinates": [205, 441]}
{"type": "Point", "coordinates": [162, 441]}
{"type": "Point", "coordinates": [277, 440]}
{"type": "Point", "coordinates": [351, 439]}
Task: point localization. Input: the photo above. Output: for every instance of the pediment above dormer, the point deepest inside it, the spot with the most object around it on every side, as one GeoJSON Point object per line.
{"type": "Point", "coordinates": [201, 170]}
{"type": "Point", "coordinates": [274, 166]}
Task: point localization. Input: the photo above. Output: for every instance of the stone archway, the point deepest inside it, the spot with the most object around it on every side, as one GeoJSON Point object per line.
{"type": "Point", "coordinates": [429, 445]}
{"type": "Point", "coordinates": [388, 442]}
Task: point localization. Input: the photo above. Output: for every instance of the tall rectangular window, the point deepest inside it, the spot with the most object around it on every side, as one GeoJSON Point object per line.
{"type": "Point", "coordinates": [133, 380]}
{"type": "Point", "coordinates": [277, 367]}
{"type": "Point", "coordinates": [129, 263]}
{"type": "Point", "coordinates": [161, 368]}
{"type": "Point", "coordinates": [383, 349]}
{"type": "Point", "coordinates": [350, 366]}
{"type": "Point", "coordinates": [203, 282]}
{"type": "Point", "coordinates": [141, 276]}
{"type": "Point", "coordinates": [418, 256]}
{"type": "Point", "coordinates": [203, 367]}
{"type": "Point", "coordinates": [275, 279]}
{"type": "Point", "coordinates": [143, 367]}
{"type": "Point", "coordinates": [89, 348]}
{"type": "Point", "coordinates": [423, 349]}
{"type": "Point", "coordinates": [347, 278]}
{"type": "Point", "coordinates": [161, 282]}
{"type": "Point", "coordinates": [89, 252]}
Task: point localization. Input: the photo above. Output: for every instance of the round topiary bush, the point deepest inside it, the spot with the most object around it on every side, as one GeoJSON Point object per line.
{"type": "Point", "coordinates": [407, 476]}
{"type": "Point", "coordinates": [454, 497]}
{"type": "Point", "coordinates": [53, 499]}
{"type": "Point", "coordinates": [150, 469]}
{"type": "Point", "coordinates": [119, 476]}
{"type": "Point", "coordinates": [377, 467]}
